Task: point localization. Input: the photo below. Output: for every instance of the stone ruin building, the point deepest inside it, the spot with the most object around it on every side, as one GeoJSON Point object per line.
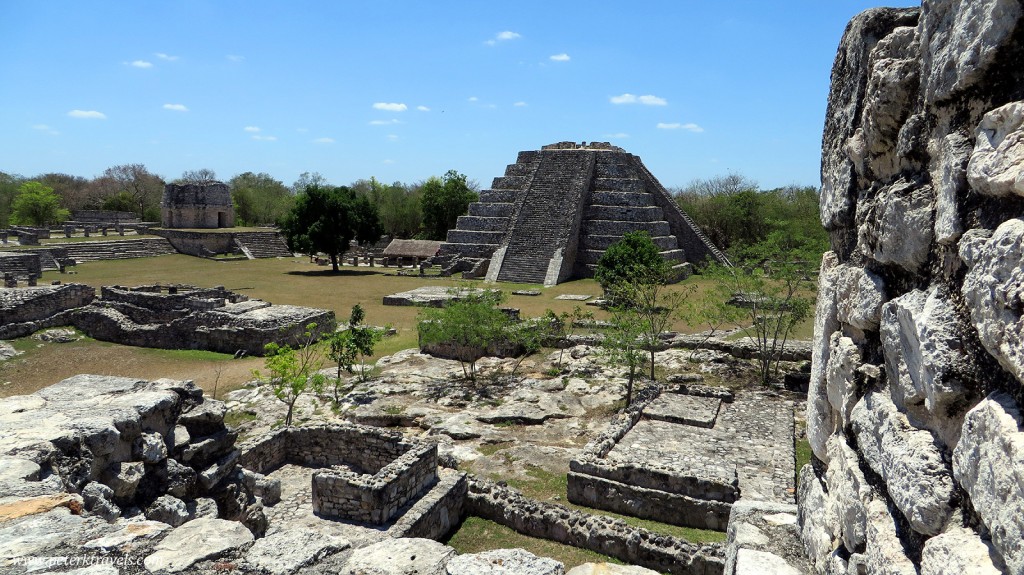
{"type": "Point", "coordinates": [556, 210]}
{"type": "Point", "coordinates": [203, 205]}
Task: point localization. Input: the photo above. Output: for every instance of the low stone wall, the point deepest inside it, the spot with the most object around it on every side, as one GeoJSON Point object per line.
{"type": "Point", "coordinates": [439, 510]}
{"type": "Point", "coordinates": [603, 535]}
{"type": "Point", "coordinates": [199, 244]}
{"type": "Point", "coordinates": [27, 310]}
{"type": "Point", "coordinates": [370, 473]}
{"type": "Point", "coordinates": [20, 264]}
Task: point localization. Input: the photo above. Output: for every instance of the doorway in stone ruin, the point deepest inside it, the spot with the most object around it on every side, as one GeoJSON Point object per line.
{"type": "Point", "coordinates": [222, 219]}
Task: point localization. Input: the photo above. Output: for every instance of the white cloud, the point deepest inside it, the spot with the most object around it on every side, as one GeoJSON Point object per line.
{"type": "Point", "coordinates": [260, 138]}
{"type": "Point", "coordinates": [45, 128]}
{"type": "Point", "coordinates": [176, 107]}
{"type": "Point", "coordinates": [140, 64]}
{"type": "Point", "coordinates": [390, 107]}
{"type": "Point", "coordinates": [384, 122]}
{"type": "Point", "coordinates": [690, 127]}
{"type": "Point", "coordinates": [647, 100]}
{"type": "Point", "coordinates": [323, 141]}
{"type": "Point", "coordinates": [472, 99]}
{"type": "Point", "coordinates": [235, 57]}
{"type": "Point", "coordinates": [563, 57]}
{"type": "Point", "coordinates": [252, 129]}
{"type": "Point", "coordinates": [423, 108]}
{"type": "Point", "coordinates": [503, 37]}
{"type": "Point", "coordinates": [87, 114]}
{"type": "Point", "coordinates": [167, 57]}
{"type": "Point", "coordinates": [520, 104]}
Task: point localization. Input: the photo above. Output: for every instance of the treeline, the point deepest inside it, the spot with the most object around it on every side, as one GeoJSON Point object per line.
{"type": "Point", "coordinates": [752, 224]}
{"type": "Point", "coordinates": [425, 209]}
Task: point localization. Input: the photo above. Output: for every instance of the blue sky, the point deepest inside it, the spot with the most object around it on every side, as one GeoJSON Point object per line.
{"type": "Point", "coordinates": [404, 90]}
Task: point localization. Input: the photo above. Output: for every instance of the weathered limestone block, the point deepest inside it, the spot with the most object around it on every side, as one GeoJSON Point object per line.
{"type": "Point", "coordinates": [400, 556]}
{"type": "Point", "coordinates": [989, 464]}
{"type": "Point", "coordinates": [850, 493]}
{"type": "Point", "coordinates": [503, 562]}
{"type": "Point", "coordinates": [892, 86]}
{"type": "Point", "coordinates": [997, 164]}
{"type": "Point", "coordinates": [168, 509]}
{"type": "Point", "coordinates": [843, 362]}
{"type": "Point", "coordinates": [202, 507]}
{"type": "Point", "coordinates": [99, 499]}
{"type": "Point", "coordinates": [197, 541]}
{"type": "Point", "coordinates": [884, 553]}
{"type": "Point", "coordinates": [820, 418]}
{"type": "Point", "coordinates": [850, 70]}
{"type": "Point", "coordinates": [149, 447]}
{"type": "Point", "coordinates": [609, 569]}
{"type": "Point", "coordinates": [817, 519]}
{"type": "Point", "coordinates": [124, 479]}
{"type": "Point", "coordinates": [919, 482]}
{"type": "Point", "coordinates": [883, 222]}
{"type": "Point", "coordinates": [924, 356]}
{"type": "Point", "coordinates": [949, 178]}
{"type": "Point", "coordinates": [994, 290]}
{"type": "Point", "coordinates": [961, 39]}
{"type": "Point", "coordinates": [181, 479]}
{"type": "Point", "coordinates": [286, 552]}
{"type": "Point", "coordinates": [204, 419]}
{"type": "Point", "coordinates": [859, 297]}
{"type": "Point", "coordinates": [763, 531]}
{"type": "Point", "coordinates": [956, 552]}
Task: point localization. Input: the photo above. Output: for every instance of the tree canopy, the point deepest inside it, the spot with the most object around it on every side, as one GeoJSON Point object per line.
{"type": "Point", "coordinates": [326, 219]}
{"type": "Point", "coordinates": [259, 198]}
{"type": "Point", "coordinates": [633, 259]}
{"type": "Point", "coordinates": [444, 200]}
{"type": "Point", "coordinates": [37, 205]}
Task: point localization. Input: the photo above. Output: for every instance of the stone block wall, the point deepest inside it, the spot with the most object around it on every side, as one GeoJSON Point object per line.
{"type": "Point", "coordinates": [29, 309]}
{"type": "Point", "coordinates": [918, 358]}
{"type": "Point", "coordinates": [368, 473]}
{"type": "Point", "coordinates": [20, 264]}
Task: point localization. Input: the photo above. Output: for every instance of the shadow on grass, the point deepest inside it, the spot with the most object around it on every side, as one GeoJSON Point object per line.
{"type": "Point", "coordinates": [330, 273]}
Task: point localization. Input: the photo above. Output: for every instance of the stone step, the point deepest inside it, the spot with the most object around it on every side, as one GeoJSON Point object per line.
{"type": "Point", "coordinates": [603, 170]}
{"type": "Point", "coordinates": [260, 245]}
{"type": "Point", "coordinates": [457, 236]}
{"type": "Point", "coordinates": [606, 198]}
{"type": "Point", "coordinates": [608, 227]}
{"type": "Point", "coordinates": [481, 224]}
{"type": "Point", "coordinates": [491, 209]}
{"type": "Point", "coordinates": [633, 185]}
{"type": "Point", "coordinates": [510, 182]}
{"type": "Point", "coordinates": [469, 250]}
{"type": "Point", "coordinates": [591, 256]}
{"type": "Point", "coordinates": [598, 242]}
{"type": "Point", "coordinates": [498, 196]}
{"type": "Point", "coordinates": [624, 213]}
{"type": "Point", "coordinates": [520, 169]}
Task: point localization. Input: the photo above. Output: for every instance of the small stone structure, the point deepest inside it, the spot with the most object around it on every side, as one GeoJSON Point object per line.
{"type": "Point", "coordinates": [369, 474]}
{"type": "Point", "coordinates": [188, 317]}
{"type": "Point", "coordinates": [21, 264]}
{"type": "Point", "coordinates": [686, 458]}
{"type": "Point", "coordinates": [413, 251]}
{"type": "Point", "coordinates": [202, 205]}
{"type": "Point", "coordinates": [556, 210]}
{"type": "Point", "coordinates": [26, 310]}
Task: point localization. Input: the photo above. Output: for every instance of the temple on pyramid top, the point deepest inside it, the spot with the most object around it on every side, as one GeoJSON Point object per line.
{"type": "Point", "coordinates": [556, 210]}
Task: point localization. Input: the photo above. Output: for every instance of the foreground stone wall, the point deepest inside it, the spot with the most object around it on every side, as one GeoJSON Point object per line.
{"type": "Point", "coordinates": [24, 311]}
{"type": "Point", "coordinates": [918, 360]}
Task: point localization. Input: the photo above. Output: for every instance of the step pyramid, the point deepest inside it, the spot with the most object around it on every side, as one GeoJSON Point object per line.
{"type": "Point", "coordinates": [556, 210]}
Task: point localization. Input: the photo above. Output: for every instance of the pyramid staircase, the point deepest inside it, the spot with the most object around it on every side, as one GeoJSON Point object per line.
{"type": "Point", "coordinates": [116, 249]}
{"type": "Point", "coordinates": [258, 245]}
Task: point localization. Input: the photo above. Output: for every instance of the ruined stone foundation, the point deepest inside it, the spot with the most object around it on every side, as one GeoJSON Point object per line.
{"type": "Point", "coordinates": [914, 409]}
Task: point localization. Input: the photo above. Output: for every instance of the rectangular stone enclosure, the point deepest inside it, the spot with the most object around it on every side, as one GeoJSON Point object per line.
{"type": "Point", "coordinates": [685, 459]}
{"type": "Point", "coordinates": [366, 474]}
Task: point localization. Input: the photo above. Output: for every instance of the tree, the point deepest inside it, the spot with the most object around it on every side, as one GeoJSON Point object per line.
{"type": "Point", "coordinates": [292, 372]}
{"type": "Point", "coordinates": [37, 205]}
{"type": "Point", "coordinates": [307, 179]}
{"type": "Point", "coordinates": [634, 258]}
{"type": "Point", "coordinates": [73, 190]}
{"type": "Point", "coordinates": [655, 305]}
{"type": "Point", "coordinates": [561, 327]}
{"type": "Point", "coordinates": [774, 303]}
{"type": "Point", "coordinates": [9, 184]}
{"type": "Point", "coordinates": [469, 326]}
{"type": "Point", "coordinates": [325, 219]}
{"type": "Point", "coordinates": [143, 187]}
{"type": "Point", "coordinates": [259, 198]}
{"type": "Point", "coordinates": [398, 205]}
{"type": "Point", "coordinates": [622, 343]}
{"type": "Point", "coordinates": [443, 201]}
{"type": "Point", "coordinates": [354, 343]}
{"type": "Point", "coordinates": [200, 176]}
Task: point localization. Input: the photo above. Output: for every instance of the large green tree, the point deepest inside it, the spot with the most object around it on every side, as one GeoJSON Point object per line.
{"type": "Point", "coordinates": [9, 184]}
{"type": "Point", "coordinates": [444, 200]}
{"type": "Point", "coordinates": [259, 198]}
{"type": "Point", "coordinates": [633, 259]}
{"type": "Point", "coordinates": [398, 205]}
{"type": "Point", "coordinates": [135, 181]}
{"type": "Point", "coordinates": [327, 219]}
{"type": "Point", "coordinates": [37, 205]}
